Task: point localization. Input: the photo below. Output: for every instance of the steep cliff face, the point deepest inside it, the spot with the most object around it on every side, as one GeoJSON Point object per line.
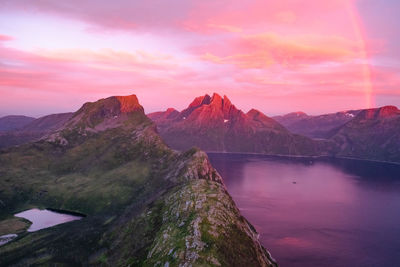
{"type": "Point", "coordinates": [215, 124]}
{"type": "Point", "coordinates": [372, 134]}
{"type": "Point", "coordinates": [146, 204]}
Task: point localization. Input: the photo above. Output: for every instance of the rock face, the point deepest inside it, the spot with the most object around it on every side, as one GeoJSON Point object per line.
{"type": "Point", "coordinates": [372, 134]}
{"type": "Point", "coordinates": [146, 205]}
{"type": "Point", "coordinates": [215, 124]}
{"type": "Point", "coordinates": [320, 126]}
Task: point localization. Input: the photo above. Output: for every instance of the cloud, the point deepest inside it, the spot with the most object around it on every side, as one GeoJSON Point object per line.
{"type": "Point", "coordinates": [124, 15]}
{"type": "Point", "coordinates": [4, 38]}
{"type": "Point", "coordinates": [280, 52]}
{"type": "Point", "coordinates": [263, 50]}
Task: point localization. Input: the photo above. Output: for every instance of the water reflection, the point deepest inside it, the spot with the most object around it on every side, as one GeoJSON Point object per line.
{"type": "Point", "coordinates": [4, 239]}
{"type": "Point", "coordinates": [318, 212]}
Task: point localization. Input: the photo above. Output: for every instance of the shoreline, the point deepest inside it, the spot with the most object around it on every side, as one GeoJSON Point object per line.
{"type": "Point", "coordinates": [323, 157]}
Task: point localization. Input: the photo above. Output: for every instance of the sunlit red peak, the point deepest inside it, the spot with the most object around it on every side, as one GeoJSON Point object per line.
{"type": "Point", "coordinates": [199, 101]}
{"type": "Point", "coordinates": [219, 102]}
{"type": "Point", "coordinates": [383, 112]}
{"type": "Point", "coordinates": [129, 103]}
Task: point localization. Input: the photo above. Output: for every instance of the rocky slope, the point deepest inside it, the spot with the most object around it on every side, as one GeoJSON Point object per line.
{"type": "Point", "coordinates": [320, 126]}
{"type": "Point", "coordinates": [146, 205]}
{"type": "Point", "coordinates": [215, 124]}
{"type": "Point", "coordinates": [372, 134]}
{"type": "Point", "coordinates": [34, 130]}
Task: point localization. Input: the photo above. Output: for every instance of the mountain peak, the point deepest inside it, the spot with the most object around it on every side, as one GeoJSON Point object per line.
{"type": "Point", "coordinates": [113, 111]}
{"type": "Point", "coordinates": [200, 100]}
{"type": "Point", "coordinates": [221, 102]}
{"type": "Point", "coordinates": [129, 103]}
{"type": "Point", "coordinates": [388, 111]}
{"type": "Point", "coordinates": [380, 113]}
{"type": "Point", "coordinates": [197, 102]}
{"type": "Point", "coordinates": [113, 105]}
{"type": "Point", "coordinates": [216, 101]}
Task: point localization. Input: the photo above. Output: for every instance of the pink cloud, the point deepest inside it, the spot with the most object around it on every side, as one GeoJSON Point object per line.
{"type": "Point", "coordinates": [263, 50]}
{"type": "Point", "coordinates": [122, 15]}
{"type": "Point", "coordinates": [286, 54]}
{"type": "Point", "coordinates": [5, 38]}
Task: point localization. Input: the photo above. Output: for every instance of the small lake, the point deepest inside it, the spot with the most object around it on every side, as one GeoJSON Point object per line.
{"type": "Point", "coordinates": [318, 212]}
{"type": "Point", "coordinates": [45, 218]}
{"type": "Point", "coordinates": [4, 239]}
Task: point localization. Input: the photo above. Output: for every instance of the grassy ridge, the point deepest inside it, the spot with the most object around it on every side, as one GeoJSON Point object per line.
{"type": "Point", "coordinates": [146, 204]}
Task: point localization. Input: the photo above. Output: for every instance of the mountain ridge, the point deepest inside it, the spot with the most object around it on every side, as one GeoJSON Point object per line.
{"type": "Point", "coordinates": [14, 122]}
{"type": "Point", "coordinates": [372, 134]}
{"type": "Point", "coordinates": [315, 126]}
{"type": "Point", "coordinates": [146, 204]}
{"type": "Point", "coordinates": [215, 124]}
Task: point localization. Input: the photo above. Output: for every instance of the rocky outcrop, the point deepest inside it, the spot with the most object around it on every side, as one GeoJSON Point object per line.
{"type": "Point", "coordinates": [201, 226]}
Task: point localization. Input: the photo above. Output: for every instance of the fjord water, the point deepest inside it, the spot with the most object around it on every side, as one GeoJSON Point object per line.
{"type": "Point", "coordinates": [45, 218]}
{"type": "Point", "coordinates": [318, 212]}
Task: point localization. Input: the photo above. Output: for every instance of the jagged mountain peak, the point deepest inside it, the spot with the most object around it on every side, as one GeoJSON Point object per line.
{"type": "Point", "coordinates": [219, 101]}
{"type": "Point", "coordinates": [200, 100]}
{"type": "Point", "coordinates": [216, 102]}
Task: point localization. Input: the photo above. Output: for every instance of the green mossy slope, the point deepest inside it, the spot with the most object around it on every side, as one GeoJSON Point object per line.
{"type": "Point", "coordinates": [146, 204]}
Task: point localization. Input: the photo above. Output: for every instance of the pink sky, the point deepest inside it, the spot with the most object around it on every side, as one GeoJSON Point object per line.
{"type": "Point", "coordinates": [276, 56]}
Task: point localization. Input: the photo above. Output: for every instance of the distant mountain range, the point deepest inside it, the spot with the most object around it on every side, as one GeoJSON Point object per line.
{"type": "Point", "coordinates": [372, 134]}
{"type": "Point", "coordinates": [321, 126]}
{"type": "Point", "coordinates": [29, 129]}
{"type": "Point", "coordinates": [213, 123]}
{"type": "Point", "coordinates": [146, 204]}
{"type": "Point", "coordinates": [14, 122]}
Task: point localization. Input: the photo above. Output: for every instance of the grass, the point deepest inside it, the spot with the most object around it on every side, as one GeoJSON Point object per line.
{"type": "Point", "coordinates": [136, 194]}
{"type": "Point", "coordinates": [13, 225]}
{"type": "Point", "coordinates": [105, 171]}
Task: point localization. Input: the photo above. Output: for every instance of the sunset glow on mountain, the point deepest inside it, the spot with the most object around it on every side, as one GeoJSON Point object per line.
{"type": "Point", "coordinates": [276, 56]}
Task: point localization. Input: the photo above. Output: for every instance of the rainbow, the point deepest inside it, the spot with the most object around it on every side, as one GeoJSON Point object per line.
{"type": "Point", "coordinates": [359, 32]}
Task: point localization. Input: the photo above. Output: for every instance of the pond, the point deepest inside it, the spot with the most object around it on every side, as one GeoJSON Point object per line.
{"type": "Point", "coordinates": [45, 218]}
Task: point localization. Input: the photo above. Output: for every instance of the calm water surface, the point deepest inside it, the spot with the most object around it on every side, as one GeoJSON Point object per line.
{"type": "Point", "coordinates": [318, 213]}
{"type": "Point", "coordinates": [45, 218]}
